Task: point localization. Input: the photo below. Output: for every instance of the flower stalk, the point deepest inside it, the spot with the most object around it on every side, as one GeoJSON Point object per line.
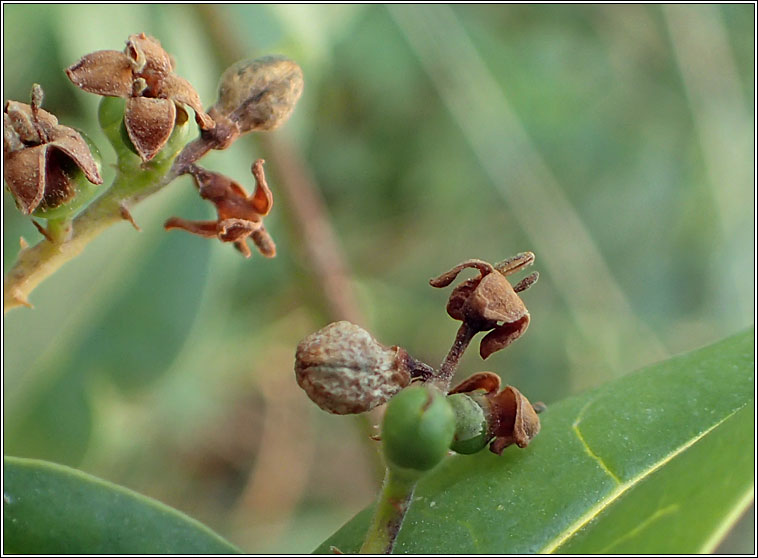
{"type": "Point", "coordinates": [391, 507]}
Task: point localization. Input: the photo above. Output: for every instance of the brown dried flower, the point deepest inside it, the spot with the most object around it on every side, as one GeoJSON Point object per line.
{"type": "Point", "coordinates": [239, 216]}
{"type": "Point", "coordinates": [344, 370]}
{"type": "Point", "coordinates": [258, 94]}
{"type": "Point", "coordinates": [489, 302]}
{"type": "Point", "coordinates": [510, 417]}
{"type": "Point", "coordinates": [143, 75]}
{"type": "Point", "coordinates": [41, 157]}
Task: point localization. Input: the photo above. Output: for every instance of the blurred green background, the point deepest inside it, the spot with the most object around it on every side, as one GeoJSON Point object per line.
{"type": "Point", "coordinates": [616, 142]}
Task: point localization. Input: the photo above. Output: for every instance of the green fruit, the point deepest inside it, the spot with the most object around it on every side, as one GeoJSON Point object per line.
{"type": "Point", "coordinates": [418, 428]}
{"type": "Point", "coordinates": [471, 429]}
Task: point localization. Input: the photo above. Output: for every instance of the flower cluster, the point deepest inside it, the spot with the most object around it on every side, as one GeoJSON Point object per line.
{"type": "Point", "coordinates": [143, 74]}
{"type": "Point", "coordinates": [345, 370]}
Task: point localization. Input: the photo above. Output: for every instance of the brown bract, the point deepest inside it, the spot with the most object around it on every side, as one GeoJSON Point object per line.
{"type": "Point", "coordinates": [510, 416]}
{"type": "Point", "coordinates": [239, 216]}
{"type": "Point", "coordinates": [143, 75]}
{"type": "Point", "coordinates": [41, 156]}
{"type": "Point", "coordinates": [489, 302]}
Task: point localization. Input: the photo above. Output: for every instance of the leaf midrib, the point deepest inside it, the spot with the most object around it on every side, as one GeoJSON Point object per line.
{"type": "Point", "coordinates": [621, 489]}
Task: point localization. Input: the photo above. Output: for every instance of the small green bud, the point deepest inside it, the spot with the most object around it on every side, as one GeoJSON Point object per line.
{"type": "Point", "coordinates": [418, 428]}
{"type": "Point", "coordinates": [471, 428]}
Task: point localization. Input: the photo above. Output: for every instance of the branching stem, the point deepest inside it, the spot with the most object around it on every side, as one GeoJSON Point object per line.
{"type": "Point", "coordinates": [35, 263]}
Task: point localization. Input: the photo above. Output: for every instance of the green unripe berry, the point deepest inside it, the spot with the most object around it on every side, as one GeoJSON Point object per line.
{"type": "Point", "coordinates": [471, 428]}
{"type": "Point", "coordinates": [418, 428]}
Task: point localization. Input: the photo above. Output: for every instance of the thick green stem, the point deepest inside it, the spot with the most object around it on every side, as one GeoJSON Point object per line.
{"type": "Point", "coordinates": [393, 503]}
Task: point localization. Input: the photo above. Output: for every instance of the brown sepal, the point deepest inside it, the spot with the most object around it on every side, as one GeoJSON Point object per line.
{"type": "Point", "coordinates": [495, 300]}
{"type": "Point", "coordinates": [181, 91]}
{"type": "Point", "coordinates": [149, 60]}
{"type": "Point", "coordinates": [489, 382]}
{"type": "Point", "coordinates": [70, 142]}
{"type": "Point", "coordinates": [502, 336]}
{"type": "Point", "coordinates": [105, 72]}
{"type": "Point", "coordinates": [239, 216]}
{"type": "Point", "coordinates": [149, 123]}
{"type": "Point", "coordinates": [449, 276]}
{"type": "Point", "coordinates": [24, 172]}
{"type": "Point", "coordinates": [517, 421]}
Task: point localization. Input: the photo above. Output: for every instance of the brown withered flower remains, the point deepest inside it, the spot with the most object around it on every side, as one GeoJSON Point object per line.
{"type": "Point", "coordinates": [239, 216]}
{"type": "Point", "coordinates": [143, 74]}
{"type": "Point", "coordinates": [489, 302]}
{"type": "Point", "coordinates": [511, 419]}
{"type": "Point", "coordinates": [40, 156]}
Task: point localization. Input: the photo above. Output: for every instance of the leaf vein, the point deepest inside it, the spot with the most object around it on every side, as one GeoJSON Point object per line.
{"type": "Point", "coordinates": [643, 525]}
{"type": "Point", "coordinates": [621, 489]}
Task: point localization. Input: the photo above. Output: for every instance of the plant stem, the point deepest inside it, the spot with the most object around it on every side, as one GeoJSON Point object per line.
{"type": "Point", "coordinates": [34, 264]}
{"type": "Point", "coordinates": [447, 369]}
{"type": "Point", "coordinates": [391, 507]}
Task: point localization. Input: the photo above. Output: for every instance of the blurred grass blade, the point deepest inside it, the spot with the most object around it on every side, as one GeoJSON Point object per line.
{"type": "Point", "coordinates": [659, 461]}
{"type": "Point", "coordinates": [52, 509]}
{"type": "Point", "coordinates": [533, 194]}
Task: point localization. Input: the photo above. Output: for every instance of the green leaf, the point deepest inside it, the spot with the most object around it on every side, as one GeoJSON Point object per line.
{"type": "Point", "coordinates": [52, 509]}
{"type": "Point", "coordinates": [659, 461]}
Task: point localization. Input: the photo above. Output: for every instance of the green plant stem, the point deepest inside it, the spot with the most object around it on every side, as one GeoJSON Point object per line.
{"type": "Point", "coordinates": [391, 507]}
{"type": "Point", "coordinates": [35, 263]}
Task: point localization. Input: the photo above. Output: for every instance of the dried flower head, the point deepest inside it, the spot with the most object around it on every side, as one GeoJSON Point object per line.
{"type": "Point", "coordinates": [258, 94]}
{"type": "Point", "coordinates": [489, 302]}
{"type": "Point", "coordinates": [143, 75]}
{"type": "Point", "coordinates": [239, 216]}
{"type": "Point", "coordinates": [42, 159]}
{"type": "Point", "coordinates": [344, 370]}
{"type": "Point", "coordinates": [511, 419]}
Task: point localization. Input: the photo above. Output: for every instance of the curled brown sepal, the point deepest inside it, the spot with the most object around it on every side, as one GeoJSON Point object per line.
{"type": "Point", "coordinates": [239, 216]}
{"type": "Point", "coordinates": [143, 74]}
{"type": "Point", "coordinates": [40, 156]}
{"type": "Point", "coordinates": [489, 302]}
{"type": "Point", "coordinates": [511, 418]}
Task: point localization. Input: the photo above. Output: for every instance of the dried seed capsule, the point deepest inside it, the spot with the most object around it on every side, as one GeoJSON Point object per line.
{"type": "Point", "coordinates": [418, 428]}
{"type": "Point", "coordinates": [344, 370]}
{"type": "Point", "coordinates": [258, 94]}
{"type": "Point", "coordinates": [46, 164]}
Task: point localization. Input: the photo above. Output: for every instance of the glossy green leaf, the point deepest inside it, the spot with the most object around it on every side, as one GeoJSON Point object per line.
{"type": "Point", "coordinates": [659, 461]}
{"type": "Point", "coordinates": [52, 509]}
